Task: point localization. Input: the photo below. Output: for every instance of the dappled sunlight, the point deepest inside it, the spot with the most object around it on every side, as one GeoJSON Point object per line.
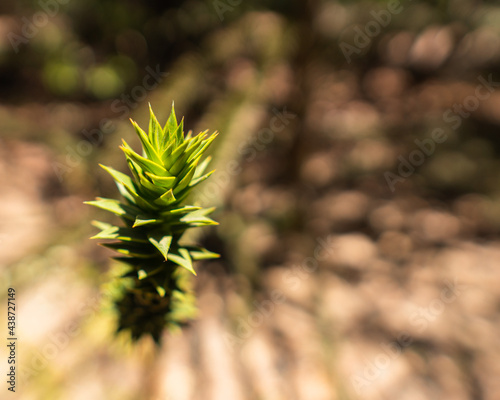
{"type": "Point", "coordinates": [356, 190]}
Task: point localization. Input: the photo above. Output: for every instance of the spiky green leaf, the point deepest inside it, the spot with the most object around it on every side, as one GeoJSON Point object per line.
{"type": "Point", "coordinates": [161, 242]}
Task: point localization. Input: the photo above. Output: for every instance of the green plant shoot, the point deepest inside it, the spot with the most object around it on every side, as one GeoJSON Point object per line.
{"type": "Point", "coordinates": [154, 219]}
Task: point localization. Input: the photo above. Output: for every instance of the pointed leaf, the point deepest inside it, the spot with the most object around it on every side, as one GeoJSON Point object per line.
{"type": "Point", "coordinates": [181, 261]}
{"type": "Point", "coordinates": [183, 210]}
{"type": "Point", "coordinates": [198, 218]}
{"type": "Point", "coordinates": [200, 179]}
{"type": "Point", "coordinates": [200, 253]}
{"type": "Point", "coordinates": [155, 130]}
{"type": "Point", "coordinates": [144, 220]}
{"type": "Point", "coordinates": [176, 136]}
{"type": "Point", "coordinates": [121, 233]}
{"type": "Point", "coordinates": [155, 190]}
{"type": "Point", "coordinates": [134, 168]}
{"type": "Point", "coordinates": [163, 181]}
{"type": "Point", "coordinates": [161, 242]}
{"type": "Point", "coordinates": [174, 156]}
{"type": "Point", "coordinates": [125, 193]}
{"type": "Point", "coordinates": [186, 180]}
{"type": "Point", "coordinates": [120, 177]}
{"type": "Point", "coordinates": [145, 163]}
{"type": "Point", "coordinates": [166, 198]}
{"type": "Point", "coordinates": [202, 167]}
{"type": "Point", "coordinates": [196, 142]}
{"type": "Point", "coordinates": [148, 147]}
{"type": "Point", "coordinates": [205, 145]}
{"type": "Point", "coordinates": [115, 207]}
{"type": "Point", "coordinates": [125, 182]}
{"type": "Point", "coordinates": [100, 225]}
{"type": "Point", "coordinates": [171, 125]}
{"type": "Point", "coordinates": [109, 233]}
{"type": "Point", "coordinates": [179, 164]}
{"type": "Point", "coordinates": [129, 249]}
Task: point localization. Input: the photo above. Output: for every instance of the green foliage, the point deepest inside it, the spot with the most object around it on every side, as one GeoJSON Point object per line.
{"type": "Point", "coordinates": [154, 221]}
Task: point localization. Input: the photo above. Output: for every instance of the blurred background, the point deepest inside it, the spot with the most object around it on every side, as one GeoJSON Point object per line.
{"type": "Point", "coordinates": [357, 191]}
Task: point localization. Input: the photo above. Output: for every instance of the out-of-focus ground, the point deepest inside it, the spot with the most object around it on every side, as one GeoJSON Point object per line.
{"type": "Point", "coordinates": [331, 285]}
